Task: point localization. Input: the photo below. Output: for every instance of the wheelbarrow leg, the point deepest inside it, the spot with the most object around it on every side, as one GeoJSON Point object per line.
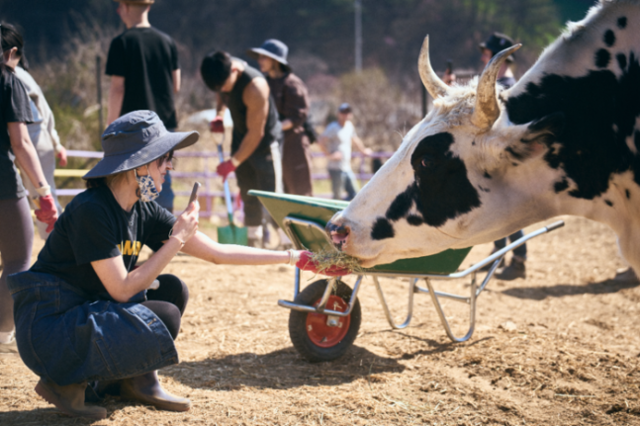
{"type": "Point", "coordinates": [296, 284]}
{"type": "Point", "coordinates": [385, 307]}
{"type": "Point", "coordinates": [443, 318]}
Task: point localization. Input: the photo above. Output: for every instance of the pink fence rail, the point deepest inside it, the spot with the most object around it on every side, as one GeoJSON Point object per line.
{"type": "Point", "coordinates": [210, 161]}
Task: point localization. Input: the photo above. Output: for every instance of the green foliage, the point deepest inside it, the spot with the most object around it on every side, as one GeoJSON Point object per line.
{"type": "Point", "coordinates": [573, 10]}
{"type": "Point", "coordinates": [379, 107]}
{"type": "Point", "coordinates": [69, 84]}
{"type": "Point", "coordinates": [392, 29]}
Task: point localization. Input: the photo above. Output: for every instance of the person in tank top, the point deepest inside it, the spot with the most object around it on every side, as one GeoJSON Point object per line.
{"type": "Point", "coordinates": [245, 91]}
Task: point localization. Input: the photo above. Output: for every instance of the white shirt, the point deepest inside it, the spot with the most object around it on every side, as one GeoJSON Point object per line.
{"type": "Point", "coordinates": [340, 138]}
{"type": "Point", "coordinates": [43, 130]}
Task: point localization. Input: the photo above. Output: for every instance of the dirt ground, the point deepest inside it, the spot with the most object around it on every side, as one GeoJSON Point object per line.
{"type": "Point", "coordinates": [559, 348]}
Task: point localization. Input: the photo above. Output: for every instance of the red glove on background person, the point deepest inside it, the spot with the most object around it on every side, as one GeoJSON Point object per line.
{"type": "Point", "coordinates": [217, 125]}
{"type": "Point", "coordinates": [307, 264]}
{"type": "Point", "coordinates": [47, 212]}
{"type": "Point", "coordinates": [225, 168]}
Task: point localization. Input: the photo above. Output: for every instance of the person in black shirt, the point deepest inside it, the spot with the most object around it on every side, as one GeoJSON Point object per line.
{"type": "Point", "coordinates": [145, 73]}
{"type": "Point", "coordinates": [85, 298]}
{"type": "Point", "coordinates": [16, 226]}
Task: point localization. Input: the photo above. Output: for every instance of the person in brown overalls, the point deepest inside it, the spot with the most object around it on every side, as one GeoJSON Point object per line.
{"type": "Point", "coordinates": [292, 102]}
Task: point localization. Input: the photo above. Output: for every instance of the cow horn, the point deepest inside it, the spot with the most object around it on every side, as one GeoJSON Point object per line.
{"type": "Point", "coordinates": [486, 110]}
{"type": "Point", "coordinates": [430, 79]}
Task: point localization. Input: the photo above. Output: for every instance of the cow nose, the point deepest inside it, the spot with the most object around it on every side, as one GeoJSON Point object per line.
{"type": "Point", "coordinates": [337, 233]}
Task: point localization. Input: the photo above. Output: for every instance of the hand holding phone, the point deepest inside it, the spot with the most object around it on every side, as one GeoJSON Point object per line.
{"type": "Point", "coordinates": [194, 192]}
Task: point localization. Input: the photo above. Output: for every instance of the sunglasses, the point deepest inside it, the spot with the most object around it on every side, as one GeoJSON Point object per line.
{"type": "Point", "coordinates": [168, 157]}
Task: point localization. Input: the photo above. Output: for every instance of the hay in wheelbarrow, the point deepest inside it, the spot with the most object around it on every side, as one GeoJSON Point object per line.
{"type": "Point", "coordinates": [327, 258]}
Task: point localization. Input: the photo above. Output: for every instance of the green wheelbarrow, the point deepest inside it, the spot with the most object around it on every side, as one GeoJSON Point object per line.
{"type": "Point", "coordinates": [325, 316]}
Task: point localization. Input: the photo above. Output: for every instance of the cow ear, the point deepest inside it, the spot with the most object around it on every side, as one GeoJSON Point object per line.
{"type": "Point", "coordinates": [546, 129]}
{"type": "Point", "coordinates": [537, 137]}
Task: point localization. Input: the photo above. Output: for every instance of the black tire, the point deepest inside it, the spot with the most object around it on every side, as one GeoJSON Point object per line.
{"type": "Point", "coordinates": [298, 323]}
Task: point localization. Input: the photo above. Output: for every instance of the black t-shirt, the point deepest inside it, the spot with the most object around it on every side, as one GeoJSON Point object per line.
{"type": "Point", "coordinates": [14, 108]}
{"type": "Point", "coordinates": [146, 58]}
{"type": "Point", "coordinates": [93, 227]}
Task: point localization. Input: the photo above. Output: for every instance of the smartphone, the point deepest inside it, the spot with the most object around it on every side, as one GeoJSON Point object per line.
{"type": "Point", "coordinates": [194, 192]}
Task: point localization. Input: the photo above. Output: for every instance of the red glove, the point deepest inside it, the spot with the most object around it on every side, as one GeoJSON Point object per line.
{"type": "Point", "coordinates": [307, 264]}
{"type": "Point", "coordinates": [47, 212]}
{"type": "Point", "coordinates": [216, 125]}
{"type": "Point", "coordinates": [225, 168]}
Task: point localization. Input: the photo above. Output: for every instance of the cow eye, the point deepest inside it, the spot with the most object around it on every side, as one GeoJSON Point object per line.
{"type": "Point", "coordinates": [427, 162]}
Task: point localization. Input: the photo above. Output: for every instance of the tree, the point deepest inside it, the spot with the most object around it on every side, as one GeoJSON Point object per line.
{"type": "Point", "coordinates": [393, 29]}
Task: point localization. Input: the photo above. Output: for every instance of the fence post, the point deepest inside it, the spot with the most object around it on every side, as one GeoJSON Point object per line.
{"type": "Point", "coordinates": [99, 87]}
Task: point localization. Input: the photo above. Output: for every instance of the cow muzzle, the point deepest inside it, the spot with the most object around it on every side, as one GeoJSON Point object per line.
{"type": "Point", "coordinates": [337, 233]}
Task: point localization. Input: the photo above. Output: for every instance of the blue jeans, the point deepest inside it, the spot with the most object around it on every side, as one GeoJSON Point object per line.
{"type": "Point", "coordinates": [519, 251]}
{"type": "Point", "coordinates": [67, 337]}
{"type": "Point", "coordinates": [346, 180]}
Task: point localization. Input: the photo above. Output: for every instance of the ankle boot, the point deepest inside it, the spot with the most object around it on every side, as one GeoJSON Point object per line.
{"type": "Point", "coordinates": [98, 390]}
{"type": "Point", "coordinates": [516, 269]}
{"type": "Point", "coordinates": [147, 389]}
{"type": "Point", "coordinates": [69, 399]}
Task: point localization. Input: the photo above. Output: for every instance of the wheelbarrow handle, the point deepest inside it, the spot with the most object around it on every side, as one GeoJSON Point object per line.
{"type": "Point", "coordinates": [555, 225]}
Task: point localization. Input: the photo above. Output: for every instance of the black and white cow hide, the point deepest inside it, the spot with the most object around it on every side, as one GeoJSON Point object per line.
{"type": "Point", "coordinates": [486, 161]}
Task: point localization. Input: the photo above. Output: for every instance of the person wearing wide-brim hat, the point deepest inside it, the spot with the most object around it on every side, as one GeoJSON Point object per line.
{"type": "Point", "coordinates": [495, 44]}
{"type": "Point", "coordinates": [292, 102]}
{"type": "Point", "coordinates": [84, 313]}
{"type": "Point", "coordinates": [274, 49]}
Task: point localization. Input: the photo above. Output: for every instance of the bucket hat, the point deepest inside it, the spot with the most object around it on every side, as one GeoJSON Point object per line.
{"type": "Point", "coordinates": [136, 139]}
{"type": "Point", "coordinates": [275, 49]}
{"type": "Point", "coordinates": [496, 43]}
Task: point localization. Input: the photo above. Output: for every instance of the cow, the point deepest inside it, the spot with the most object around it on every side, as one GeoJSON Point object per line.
{"type": "Point", "coordinates": [488, 161]}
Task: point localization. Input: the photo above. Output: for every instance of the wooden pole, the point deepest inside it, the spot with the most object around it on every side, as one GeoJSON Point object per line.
{"type": "Point", "coordinates": [358, 28]}
{"type": "Point", "coordinates": [99, 87]}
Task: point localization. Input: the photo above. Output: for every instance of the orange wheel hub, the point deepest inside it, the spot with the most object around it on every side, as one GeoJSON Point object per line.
{"type": "Point", "coordinates": [322, 334]}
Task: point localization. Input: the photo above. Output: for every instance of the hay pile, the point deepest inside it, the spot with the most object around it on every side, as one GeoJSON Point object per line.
{"type": "Point", "coordinates": [327, 258]}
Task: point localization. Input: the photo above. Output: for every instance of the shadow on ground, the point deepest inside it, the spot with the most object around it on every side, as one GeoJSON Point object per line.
{"type": "Point", "coordinates": [41, 416]}
{"type": "Point", "coordinates": [561, 290]}
{"type": "Point", "coordinates": [436, 346]}
{"type": "Point", "coordinates": [282, 369]}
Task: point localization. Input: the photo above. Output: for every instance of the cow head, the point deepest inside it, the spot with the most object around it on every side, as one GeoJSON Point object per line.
{"type": "Point", "coordinates": [463, 175]}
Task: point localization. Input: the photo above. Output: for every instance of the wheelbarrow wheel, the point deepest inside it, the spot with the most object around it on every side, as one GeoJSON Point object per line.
{"type": "Point", "coordinates": [310, 334]}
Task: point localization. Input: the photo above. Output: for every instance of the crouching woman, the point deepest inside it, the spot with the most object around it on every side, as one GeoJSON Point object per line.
{"type": "Point", "coordinates": [83, 313]}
